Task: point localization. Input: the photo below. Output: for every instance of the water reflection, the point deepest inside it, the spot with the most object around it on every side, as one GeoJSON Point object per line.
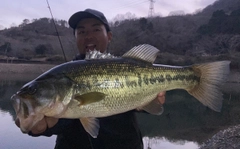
{"type": "Point", "coordinates": [10, 135]}
{"type": "Point", "coordinates": [163, 143]}
{"type": "Point", "coordinates": [7, 89]}
{"type": "Point", "coordinates": [12, 138]}
{"type": "Point", "coordinates": [185, 118]}
{"type": "Point", "coordinates": [185, 122]}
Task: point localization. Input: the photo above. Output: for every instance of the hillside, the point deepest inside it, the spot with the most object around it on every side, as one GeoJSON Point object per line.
{"type": "Point", "coordinates": [226, 5]}
{"type": "Point", "coordinates": [211, 34]}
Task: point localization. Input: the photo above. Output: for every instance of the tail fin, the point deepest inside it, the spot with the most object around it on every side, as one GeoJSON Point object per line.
{"type": "Point", "coordinates": [212, 75]}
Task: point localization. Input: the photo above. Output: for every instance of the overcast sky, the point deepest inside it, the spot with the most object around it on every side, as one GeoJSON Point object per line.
{"type": "Point", "coordinates": [14, 11]}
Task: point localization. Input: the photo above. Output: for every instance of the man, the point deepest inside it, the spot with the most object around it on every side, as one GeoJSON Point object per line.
{"type": "Point", "coordinates": [120, 131]}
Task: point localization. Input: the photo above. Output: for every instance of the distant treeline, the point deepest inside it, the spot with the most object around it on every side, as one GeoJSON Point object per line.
{"type": "Point", "coordinates": [221, 22]}
{"type": "Point", "coordinates": [207, 35]}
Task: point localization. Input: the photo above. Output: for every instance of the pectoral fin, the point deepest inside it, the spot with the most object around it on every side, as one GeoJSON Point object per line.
{"type": "Point", "coordinates": [154, 107]}
{"type": "Point", "coordinates": [91, 125]}
{"type": "Point", "coordinates": [89, 97]}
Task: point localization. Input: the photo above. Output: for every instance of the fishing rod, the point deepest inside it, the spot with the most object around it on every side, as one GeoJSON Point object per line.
{"type": "Point", "coordinates": [57, 32]}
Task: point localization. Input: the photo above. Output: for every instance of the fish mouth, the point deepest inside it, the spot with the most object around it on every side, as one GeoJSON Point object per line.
{"type": "Point", "coordinates": [15, 103]}
{"type": "Point", "coordinates": [25, 114]}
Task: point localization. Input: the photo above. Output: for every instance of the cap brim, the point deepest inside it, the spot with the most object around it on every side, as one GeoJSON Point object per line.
{"type": "Point", "coordinates": [75, 18]}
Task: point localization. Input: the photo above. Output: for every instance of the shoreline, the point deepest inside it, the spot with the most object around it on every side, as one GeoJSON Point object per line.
{"type": "Point", "coordinates": [23, 72]}
{"type": "Point", "coordinates": [24, 68]}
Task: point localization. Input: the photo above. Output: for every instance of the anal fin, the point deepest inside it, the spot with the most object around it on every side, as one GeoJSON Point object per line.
{"type": "Point", "coordinates": [91, 125]}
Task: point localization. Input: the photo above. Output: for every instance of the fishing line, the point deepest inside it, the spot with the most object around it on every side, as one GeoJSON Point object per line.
{"type": "Point", "coordinates": [57, 32]}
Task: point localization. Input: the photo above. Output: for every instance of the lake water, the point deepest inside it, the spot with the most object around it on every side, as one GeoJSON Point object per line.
{"type": "Point", "coordinates": [184, 124]}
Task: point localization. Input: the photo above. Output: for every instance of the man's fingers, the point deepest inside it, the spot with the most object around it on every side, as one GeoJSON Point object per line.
{"type": "Point", "coordinates": [40, 127]}
{"type": "Point", "coordinates": [161, 94]}
{"type": "Point", "coordinates": [51, 121]}
{"type": "Point", "coordinates": [161, 97]}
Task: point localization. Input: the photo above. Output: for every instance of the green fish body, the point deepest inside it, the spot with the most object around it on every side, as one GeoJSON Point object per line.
{"type": "Point", "coordinates": [88, 89]}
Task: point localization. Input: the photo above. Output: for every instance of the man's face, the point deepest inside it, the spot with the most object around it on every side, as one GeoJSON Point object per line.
{"type": "Point", "coordinates": [91, 34]}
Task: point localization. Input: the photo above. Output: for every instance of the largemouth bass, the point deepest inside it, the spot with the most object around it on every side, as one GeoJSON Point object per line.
{"type": "Point", "coordinates": [93, 88]}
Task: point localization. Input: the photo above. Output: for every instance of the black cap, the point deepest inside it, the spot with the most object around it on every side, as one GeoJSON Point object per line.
{"type": "Point", "coordinates": [88, 13]}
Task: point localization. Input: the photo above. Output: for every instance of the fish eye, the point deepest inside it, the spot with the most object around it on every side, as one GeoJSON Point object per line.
{"type": "Point", "coordinates": [32, 89]}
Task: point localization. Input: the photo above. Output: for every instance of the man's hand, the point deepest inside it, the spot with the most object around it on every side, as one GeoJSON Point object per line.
{"type": "Point", "coordinates": [161, 97]}
{"type": "Point", "coordinates": [42, 125]}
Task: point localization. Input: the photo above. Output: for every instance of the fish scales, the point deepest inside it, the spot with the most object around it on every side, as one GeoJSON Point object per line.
{"type": "Point", "coordinates": [126, 81]}
{"type": "Point", "coordinates": [93, 88]}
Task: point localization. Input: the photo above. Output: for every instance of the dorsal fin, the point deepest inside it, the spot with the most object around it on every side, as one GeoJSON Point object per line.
{"type": "Point", "coordinates": [143, 52]}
